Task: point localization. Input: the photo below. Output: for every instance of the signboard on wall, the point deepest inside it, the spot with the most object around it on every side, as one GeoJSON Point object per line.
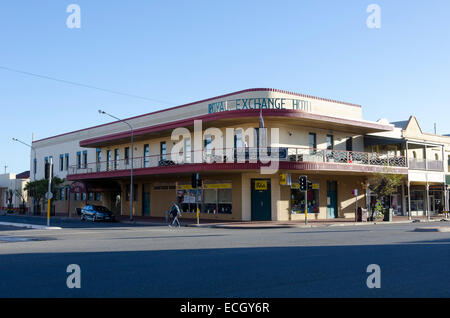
{"type": "Point", "coordinates": [260, 185]}
{"type": "Point", "coordinates": [285, 179]}
{"type": "Point", "coordinates": [315, 186]}
{"type": "Point", "coordinates": [260, 103]}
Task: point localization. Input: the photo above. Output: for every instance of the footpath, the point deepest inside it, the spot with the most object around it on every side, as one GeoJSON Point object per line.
{"type": "Point", "coordinates": [58, 222]}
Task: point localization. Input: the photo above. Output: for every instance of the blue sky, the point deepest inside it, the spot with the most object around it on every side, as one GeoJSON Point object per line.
{"type": "Point", "coordinates": [182, 51]}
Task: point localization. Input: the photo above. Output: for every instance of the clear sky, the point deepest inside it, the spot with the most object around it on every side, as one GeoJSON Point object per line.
{"type": "Point", "coordinates": [183, 51]}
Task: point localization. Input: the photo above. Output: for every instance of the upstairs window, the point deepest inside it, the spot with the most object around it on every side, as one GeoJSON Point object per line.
{"type": "Point", "coordinates": [85, 159]}
{"type": "Point", "coordinates": [79, 160]}
{"type": "Point", "coordinates": [163, 150]}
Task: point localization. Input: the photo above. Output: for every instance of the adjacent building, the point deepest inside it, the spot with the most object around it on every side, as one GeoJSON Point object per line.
{"type": "Point", "coordinates": [12, 193]}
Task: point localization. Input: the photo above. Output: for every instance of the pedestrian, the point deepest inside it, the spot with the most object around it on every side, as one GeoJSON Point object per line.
{"type": "Point", "coordinates": [176, 212]}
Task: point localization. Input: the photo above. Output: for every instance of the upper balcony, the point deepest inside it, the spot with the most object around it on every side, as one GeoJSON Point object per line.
{"type": "Point", "coordinates": [245, 159]}
{"type": "Point", "coordinates": [426, 164]}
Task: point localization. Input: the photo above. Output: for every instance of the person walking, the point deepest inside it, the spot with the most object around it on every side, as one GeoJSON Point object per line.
{"type": "Point", "coordinates": [176, 212]}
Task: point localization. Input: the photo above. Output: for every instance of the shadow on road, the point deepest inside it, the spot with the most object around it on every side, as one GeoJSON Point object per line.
{"type": "Point", "coordinates": [407, 270]}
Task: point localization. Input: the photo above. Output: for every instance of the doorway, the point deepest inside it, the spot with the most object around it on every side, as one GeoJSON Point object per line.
{"type": "Point", "coordinates": [116, 204]}
{"type": "Point", "coordinates": [261, 200]}
{"type": "Point", "coordinates": [332, 211]}
{"type": "Point", "coordinates": [146, 199]}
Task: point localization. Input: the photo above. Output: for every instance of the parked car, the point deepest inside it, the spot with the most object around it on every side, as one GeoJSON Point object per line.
{"type": "Point", "coordinates": [96, 213]}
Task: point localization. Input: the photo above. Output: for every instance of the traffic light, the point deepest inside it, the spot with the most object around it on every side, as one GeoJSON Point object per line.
{"type": "Point", "coordinates": [309, 185]}
{"type": "Point", "coordinates": [303, 183]}
{"type": "Point", "coordinates": [196, 182]}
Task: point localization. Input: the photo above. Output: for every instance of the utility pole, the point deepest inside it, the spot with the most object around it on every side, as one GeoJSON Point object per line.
{"type": "Point", "coordinates": [132, 159]}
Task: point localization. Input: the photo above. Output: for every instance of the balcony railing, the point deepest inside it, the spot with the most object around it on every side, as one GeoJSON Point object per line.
{"type": "Point", "coordinates": [241, 155]}
{"type": "Point", "coordinates": [426, 164]}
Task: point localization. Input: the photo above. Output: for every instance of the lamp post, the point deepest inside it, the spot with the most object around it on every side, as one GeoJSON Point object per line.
{"type": "Point", "coordinates": [34, 163]}
{"type": "Point", "coordinates": [132, 159]}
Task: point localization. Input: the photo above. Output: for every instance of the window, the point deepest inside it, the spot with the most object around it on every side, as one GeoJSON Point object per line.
{"type": "Point", "coordinates": [163, 150]}
{"type": "Point", "coordinates": [66, 157]}
{"type": "Point", "coordinates": [108, 159]}
{"type": "Point", "coordinates": [35, 165]}
{"type": "Point", "coordinates": [436, 157]}
{"type": "Point", "coordinates": [298, 200]}
{"type": "Point", "coordinates": [98, 159]}
{"type": "Point", "coordinates": [127, 156]}
{"type": "Point", "coordinates": [61, 162]}
{"type": "Point", "coordinates": [79, 160]}
{"type": "Point", "coordinates": [61, 194]}
{"type": "Point", "coordinates": [208, 148]}
{"type": "Point", "coordinates": [214, 198]}
{"type": "Point", "coordinates": [312, 143]}
{"type": "Point", "coordinates": [85, 159]}
{"type": "Point", "coordinates": [414, 155]}
{"type": "Point", "coordinates": [146, 156]}
{"type": "Point", "coordinates": [330, 142]}
{"type": "Point", "coordinates": [349, 144]}
{"type": "Point", "coordinates": [91, 196]}
{"type": "Point", "coordinates": [77, 197]}
{"type": "Point", "coordinates": [97, 196]}
{"type": "Point", "coordinates": [116, 159]}
{"type": "Point", "coordinates": [238, 143]}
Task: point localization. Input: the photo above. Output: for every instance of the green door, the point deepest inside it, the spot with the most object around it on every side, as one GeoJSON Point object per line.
{"type": "Point", "coordinates": [146, 199]}
{"type": "Point", "coordinates": [332, 199]}
{"type": "Point", "coordinates": [261, 202]}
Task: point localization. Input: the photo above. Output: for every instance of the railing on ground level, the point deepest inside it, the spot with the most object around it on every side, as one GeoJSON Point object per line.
{"type": "Point", "coordinates": [241, 155]}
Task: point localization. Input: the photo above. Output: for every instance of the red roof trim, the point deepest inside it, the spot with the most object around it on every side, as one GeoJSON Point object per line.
{"type": "Point", "coordinates": [233, 114]}
{"type": "Point", "coordinates": [205, 100]}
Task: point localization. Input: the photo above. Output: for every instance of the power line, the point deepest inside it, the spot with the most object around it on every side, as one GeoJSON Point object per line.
{"type": "Point", "coordinates": [81, 85]}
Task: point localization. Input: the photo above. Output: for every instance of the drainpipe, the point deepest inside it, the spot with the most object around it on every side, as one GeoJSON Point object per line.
{"type": "Point", "coordinates": [428, 201]}
{"type": "Point", "coordinates": [409, 199]}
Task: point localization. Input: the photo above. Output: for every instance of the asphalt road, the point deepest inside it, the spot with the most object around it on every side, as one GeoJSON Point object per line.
{"type": "Point", "coordinates": [154, 261]}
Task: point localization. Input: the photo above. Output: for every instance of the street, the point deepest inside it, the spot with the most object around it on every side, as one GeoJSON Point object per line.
{"type": "Point", "coordinates": [118, 260]}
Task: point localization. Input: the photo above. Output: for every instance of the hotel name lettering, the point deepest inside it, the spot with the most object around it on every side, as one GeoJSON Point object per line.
{"type": "Point", "coordinates": [258, 103]}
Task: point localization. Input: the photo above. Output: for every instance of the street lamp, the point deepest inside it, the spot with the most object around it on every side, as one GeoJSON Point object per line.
{"type": "Point", "coordinates": [132, 159]}
{"type": "Point", "coordinates": [34, 163]}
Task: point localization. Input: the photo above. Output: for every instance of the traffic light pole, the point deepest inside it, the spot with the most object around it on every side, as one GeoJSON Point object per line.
{"type": "Point", "coordinates": [49, 199]}
{"type": "Point", "coordinates": [196, 197]}
{"type": "Point", "coordinates": [306, 206]}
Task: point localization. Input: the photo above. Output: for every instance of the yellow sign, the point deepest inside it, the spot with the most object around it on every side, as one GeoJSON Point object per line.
{"type": "Point", "coordinates": [283, 178]}
{"type": "Point", "coordinates": [260, 185]}
{"type": "Point", "coordinates": [315, 186]}
{"type": "Point", "coordinates": [218, 186]}
{"type": "Point", "coordinates": [185, 187]}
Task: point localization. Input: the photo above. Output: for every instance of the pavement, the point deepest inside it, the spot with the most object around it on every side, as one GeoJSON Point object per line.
{"type": "Point", "coordinates": [124, 260]}
{"type": "Point", "coordinates": [40, 222]}
{"type": "Point", "coordinates": [56, 222]}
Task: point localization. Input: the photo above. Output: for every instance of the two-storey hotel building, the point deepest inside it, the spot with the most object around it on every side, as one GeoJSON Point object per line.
{"type": "Point", "coordinates": [222, 139]}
